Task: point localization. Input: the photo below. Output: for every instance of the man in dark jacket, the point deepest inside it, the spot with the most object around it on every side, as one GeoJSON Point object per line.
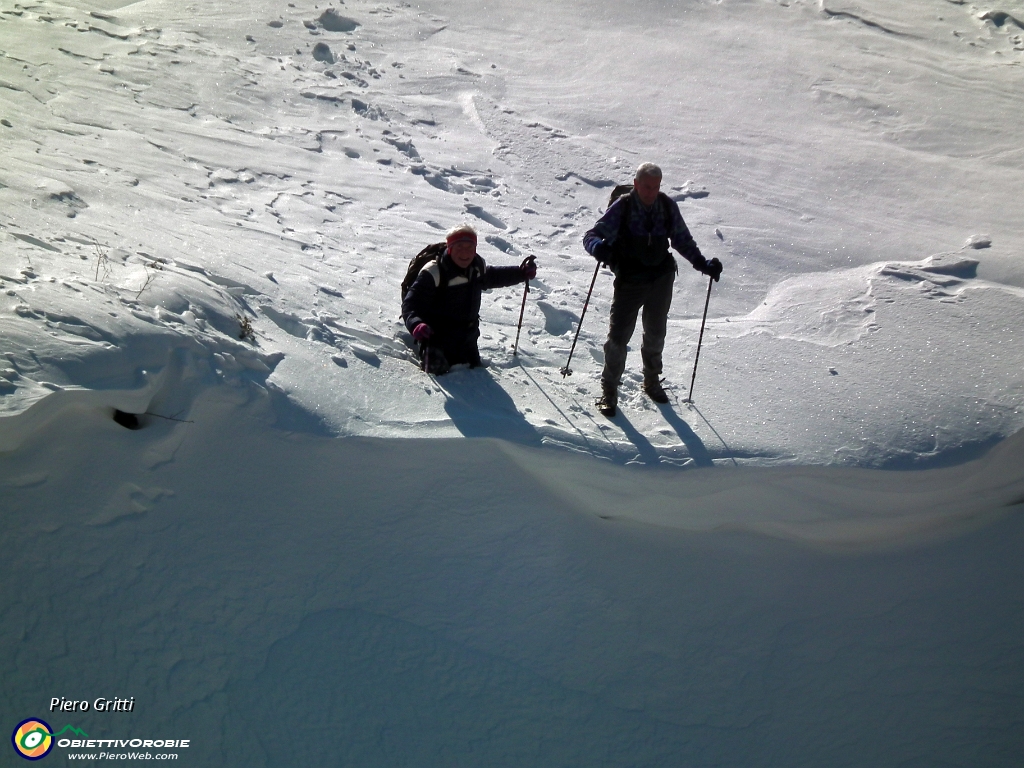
{"type": "Point", "coordinates": [442, 308]}
{"type": "Point", "coordinates": [633, 238]}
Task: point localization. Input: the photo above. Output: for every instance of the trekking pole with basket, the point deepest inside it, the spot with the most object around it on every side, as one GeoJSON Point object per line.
{"type": "Point", "coordinates": [522, 309]}
{"type": "Point", "coordinates": [700, 339]}
{"type": "Point", "coordinates": [566, 370]}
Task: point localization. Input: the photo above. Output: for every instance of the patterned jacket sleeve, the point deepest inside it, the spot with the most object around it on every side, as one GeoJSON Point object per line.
{"type": "Point", "coordinates": [607, 227]}
{"type": "Point", "coordinates": [682, 240]}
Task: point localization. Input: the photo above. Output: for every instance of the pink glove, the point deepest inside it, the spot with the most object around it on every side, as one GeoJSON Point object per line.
{"type": "Point", "coordinates": [422, 332]}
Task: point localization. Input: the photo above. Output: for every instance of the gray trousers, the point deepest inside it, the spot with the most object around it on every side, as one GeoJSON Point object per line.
{"type": "Point", "coordinates": [655, 298]}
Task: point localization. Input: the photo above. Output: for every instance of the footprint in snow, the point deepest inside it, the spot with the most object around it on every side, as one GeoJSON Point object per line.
{"type": "Point", "coordinates": [322, 52]}
{"type": "Point", "coordinates": [557, 321]}
{"type": "Point", "coordinates": [480, 213]}
{"type": "Point", "coordinates": [689, 189]}
{"type": "Point", "coordinates": [233, 287]}
{"type": "Point", "coordinates": [455, 181]}
{"type": "Point", "coordinates": [501, 244]}
{"type": "Point", "coordinates": [332, 21]}
{"type": "Point", "coordinates": [552, 133]}
{"type": "Point", "coordinates": [355, 79]}
{"type": "Point", "coordinates": [288, 323]}
{"type": "Point", "coordinates": [366, 354]}
{"type": "Point", "coordinates": [597, 183]}
{"type": "Point", "coordinates": [366, 110]}
{"type": "Point", "coordinates": [405, 146]}
{"type": "Point", "coordinates": [35, 241]}
{"type": "Point", "coordinates": [1000, 18]}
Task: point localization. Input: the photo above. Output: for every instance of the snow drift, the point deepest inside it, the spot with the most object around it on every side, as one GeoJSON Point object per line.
{"type": "Point", "coordinates": [312, 554]}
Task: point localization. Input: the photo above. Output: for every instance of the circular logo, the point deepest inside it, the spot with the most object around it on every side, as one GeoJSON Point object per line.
{"type": "Point", "coordinates": [32, 739]}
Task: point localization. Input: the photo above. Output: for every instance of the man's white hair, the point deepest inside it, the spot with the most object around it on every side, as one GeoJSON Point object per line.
{"type": "Point", "coordinates": [647, 171]}
{"type": "Point", "coordinates": [461, 229]}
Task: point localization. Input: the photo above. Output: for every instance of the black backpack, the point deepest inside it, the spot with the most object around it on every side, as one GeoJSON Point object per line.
{"type": "Point", "coordinates": [619, 191]}
{"type": "Point", "coordinates": [432, 252]}
{"type": "Point", "coordinates": [625, 189]}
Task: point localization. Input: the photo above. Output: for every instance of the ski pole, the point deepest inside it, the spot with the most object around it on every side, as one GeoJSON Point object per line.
{"type": "Point", "coordinates": [526, 290]}
{"type": "Point", "coordinates": [711, 281]}
{"type": "Point", "coordinates": [567, 371]}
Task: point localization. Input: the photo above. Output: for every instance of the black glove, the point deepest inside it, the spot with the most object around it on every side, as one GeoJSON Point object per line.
{"type": "Point", "coordinates": [604, 253]}
{"type": "Point", "coordinates": [713, 269]}
{"type": "Point", "coordinates": [529, 267]}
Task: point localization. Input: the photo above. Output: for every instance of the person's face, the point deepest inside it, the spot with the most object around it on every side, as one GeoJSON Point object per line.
{"type": "Point", "coordinates": [462, 253]}
{"type": "Point", "coordinates": [647, 189]}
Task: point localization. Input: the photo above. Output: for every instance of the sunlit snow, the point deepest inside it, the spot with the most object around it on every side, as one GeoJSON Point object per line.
{"type": "Point", "coordinates": [312, 553]}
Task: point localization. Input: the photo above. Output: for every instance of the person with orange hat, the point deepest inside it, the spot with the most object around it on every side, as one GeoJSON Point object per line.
{"type": "Point", "coordinates": [442, 307]}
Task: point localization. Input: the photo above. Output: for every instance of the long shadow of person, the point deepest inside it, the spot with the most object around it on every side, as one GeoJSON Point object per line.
{"type": "Point", "coordinates": [479, 407]}
{"type": "Point", "coordinates": [698, 451]}
{"type": "Point", "coordinates": [647, 453]}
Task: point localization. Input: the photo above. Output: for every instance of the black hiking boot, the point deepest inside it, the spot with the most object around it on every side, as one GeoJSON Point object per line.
{"type": "Point", "coordinates": [435, 362]}
{"type": "Point", "coordinates": [608, 402]}
{"type": "Point", "coordinates": [654, 390]}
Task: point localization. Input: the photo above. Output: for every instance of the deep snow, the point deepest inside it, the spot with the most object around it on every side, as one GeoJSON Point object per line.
{"type": "Point", "coordinates": [312, 553]}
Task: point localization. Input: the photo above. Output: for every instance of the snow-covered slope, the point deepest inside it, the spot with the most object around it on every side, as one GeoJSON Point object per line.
{"type": "Point", "coordinates": [206, 210]}
{"type": "Point", "coordinates": [191, 168]}
{"type": "Point", "coordinates": [289, 599]}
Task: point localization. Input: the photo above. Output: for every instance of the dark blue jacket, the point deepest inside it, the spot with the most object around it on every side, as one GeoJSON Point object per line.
{"type": "Point", "coordinates": [641, 250]}
{"type": "Point", "coordinates": [448, 300]}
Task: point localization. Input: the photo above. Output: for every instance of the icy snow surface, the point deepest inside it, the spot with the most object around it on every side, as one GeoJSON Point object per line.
{"type": "Point", "coordinates": [313, 554]}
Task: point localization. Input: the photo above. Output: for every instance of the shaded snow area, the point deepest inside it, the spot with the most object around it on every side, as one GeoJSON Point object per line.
{"type": "Point", "coordinates": [305, 551]}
